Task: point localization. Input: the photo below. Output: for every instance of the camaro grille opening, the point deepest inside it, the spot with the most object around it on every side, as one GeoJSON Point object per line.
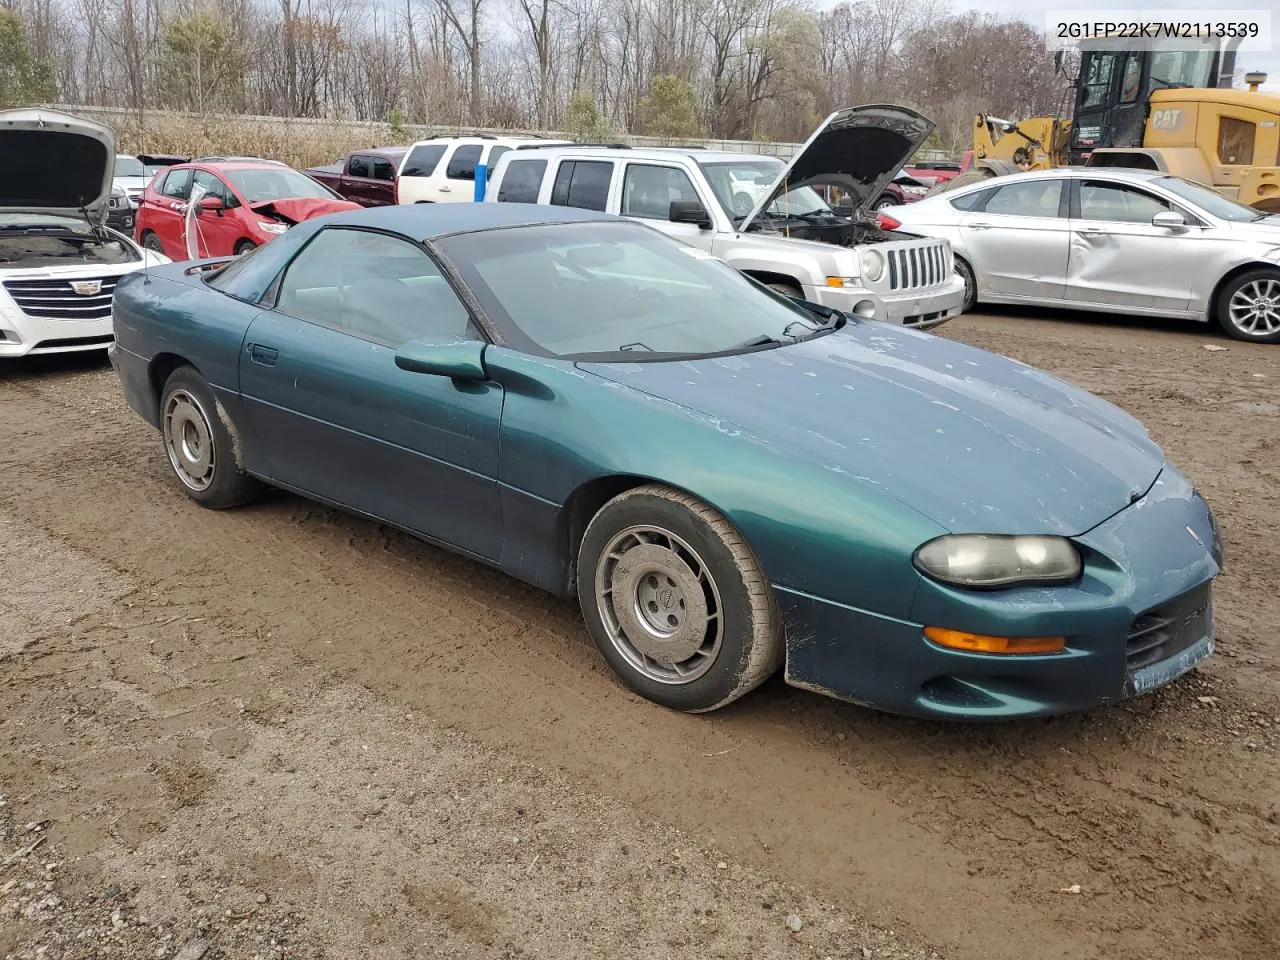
{"type": "Point", "coordinates": [1165, 631]}
{"type": "Point", "coordinates": [60, 299]}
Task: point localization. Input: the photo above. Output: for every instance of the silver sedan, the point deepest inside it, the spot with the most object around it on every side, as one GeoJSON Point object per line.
{"type": "Point", "coordinates": [1120, 241]}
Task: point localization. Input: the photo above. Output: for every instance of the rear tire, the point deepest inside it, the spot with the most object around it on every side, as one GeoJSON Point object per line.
{"type": "Point", "coordinates": [199, 445]}
{"type": "Point", "coordinates": [675, 600]}
{"type": "Point", "coordinates": [1248, 307]}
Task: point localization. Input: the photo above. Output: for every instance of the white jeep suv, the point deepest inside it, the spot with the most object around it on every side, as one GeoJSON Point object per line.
{"type": "Point", "coordinates": [764, 217]}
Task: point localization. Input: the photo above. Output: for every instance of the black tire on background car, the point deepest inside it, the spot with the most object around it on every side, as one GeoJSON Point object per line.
{"type": "Point", "coordinates": [675, 600]}
{"type": "Point", "coordinates": [887, 201]}
{"type": "Point", "coordinates": [198, 443]}
{"type": "Point", "coordinates": [975, 175]}
{"type": "Point", "coordinates": [787, 290]}
{"type": "Point", "coordinates": [970, 284]}
{"type": "Point", "coordinates": [151, 242]}
{"type": "Point", "coordinates": [244, 246]}
{"type": "Point", "coordinates": [1248, 306]}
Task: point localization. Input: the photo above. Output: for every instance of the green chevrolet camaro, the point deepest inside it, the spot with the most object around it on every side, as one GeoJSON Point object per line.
{"type": "Point", "coordinates": [729, 481]}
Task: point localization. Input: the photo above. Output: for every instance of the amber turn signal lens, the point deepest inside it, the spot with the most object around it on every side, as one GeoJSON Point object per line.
{"type": "Point", "coordinates": [978, 643]}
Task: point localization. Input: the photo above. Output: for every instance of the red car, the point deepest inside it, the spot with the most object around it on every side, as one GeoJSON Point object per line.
{"type": "Point", "coordinates": [244, 206]}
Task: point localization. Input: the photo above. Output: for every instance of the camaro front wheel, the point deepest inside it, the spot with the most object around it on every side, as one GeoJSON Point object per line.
{"type": "Point", "coordinates": [198, 443]}
{"type": "Point", "coordinates": [676, 601]}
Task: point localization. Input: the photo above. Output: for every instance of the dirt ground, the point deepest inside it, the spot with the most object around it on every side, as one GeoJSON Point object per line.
{"type": "Point", "coordinates": [282, 731]}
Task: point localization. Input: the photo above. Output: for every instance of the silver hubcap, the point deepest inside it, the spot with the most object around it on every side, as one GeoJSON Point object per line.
{"type": "Point", "coordinates": [1255, 308]}
{"type": "Point", "coordinates": [188, 440]}
{"type": "Point", "coordinates": [660, 604]}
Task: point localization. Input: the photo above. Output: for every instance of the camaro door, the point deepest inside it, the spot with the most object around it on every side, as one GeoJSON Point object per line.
{"type": "Point", "coordinates": [1119, 258]}
{"type": "Point", "coordinates": [1017, 239]}
{"type": "Point", "coordinates": [333, 416]}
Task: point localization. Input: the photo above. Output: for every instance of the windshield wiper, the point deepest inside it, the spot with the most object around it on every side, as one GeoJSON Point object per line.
{"type": "Point", "coordinates": [762, 341]}
{"type": "Point", "coordinates": [635, 346]}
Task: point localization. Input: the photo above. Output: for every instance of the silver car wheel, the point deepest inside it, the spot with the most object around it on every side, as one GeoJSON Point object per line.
{"type": "Point", "coordinates": [188, 440]}
{"type": "Point", "coordinates": [659, 604]}
{"type": "Point", "coordinates": [1254, 309]}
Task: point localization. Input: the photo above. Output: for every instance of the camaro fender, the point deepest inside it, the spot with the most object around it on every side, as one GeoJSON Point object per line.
{"type": "Point", "coordinates": [565, 430]}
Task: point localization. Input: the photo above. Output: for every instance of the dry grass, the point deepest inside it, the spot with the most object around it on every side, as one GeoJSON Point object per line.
{"type": "Point", "coordinates": [299, 143]}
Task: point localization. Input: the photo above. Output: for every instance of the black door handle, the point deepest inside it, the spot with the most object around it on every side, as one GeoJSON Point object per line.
{"type": "Point", "coordinates": [266, 356]}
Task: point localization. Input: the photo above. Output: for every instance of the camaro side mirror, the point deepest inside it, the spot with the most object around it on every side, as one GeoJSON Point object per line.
{"type": "Point", "coordinates": [457, 359]}
{"type": "Point", "coordinates": [689, 211]}
{"type": "Point", "coordinates": [1170, 219]}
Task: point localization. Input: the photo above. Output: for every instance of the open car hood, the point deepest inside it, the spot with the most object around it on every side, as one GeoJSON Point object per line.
{"type": "Point", "coordinates": [54, 163]}
{"type": "Point", "coordinates": [859, 149]}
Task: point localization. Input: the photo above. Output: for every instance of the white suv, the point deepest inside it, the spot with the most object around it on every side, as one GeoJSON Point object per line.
{"type": "Point", "coordinates": [443, 169]}
{"type": "Point", "coordinates": [764, 217]}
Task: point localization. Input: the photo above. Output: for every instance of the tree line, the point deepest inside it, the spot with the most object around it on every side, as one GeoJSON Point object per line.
{"type": "Point", "coordinates": [724, 69]}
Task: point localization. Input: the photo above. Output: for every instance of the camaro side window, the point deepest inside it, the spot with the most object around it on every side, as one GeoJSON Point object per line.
{"type": "Point", "coordinates": [372, 286]}
{"type": "Point", "coordinates": [1117, 203]}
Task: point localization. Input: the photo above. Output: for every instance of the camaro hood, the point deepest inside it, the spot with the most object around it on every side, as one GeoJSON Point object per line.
{"type": "Point", "coordinates": [973, 441]}
{"type": "Point", "coordinates": [54, 163]}
{"type": "Point", "coordinates": [859, 149]}
{"type": "Point", "coordinates": [297, 209]}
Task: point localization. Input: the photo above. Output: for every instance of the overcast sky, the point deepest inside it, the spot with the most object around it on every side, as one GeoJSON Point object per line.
{"type": "Point", "coordinates": [1251, 56]}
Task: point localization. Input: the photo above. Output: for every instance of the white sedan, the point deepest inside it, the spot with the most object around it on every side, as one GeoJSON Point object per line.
{"type": "Point", "coordinates": [1119, 241]}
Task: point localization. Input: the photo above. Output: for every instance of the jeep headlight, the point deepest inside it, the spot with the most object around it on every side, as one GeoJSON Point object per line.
{"type": "Point", "coordinates": [985, 561]}
{"type": "Point", "coordinates": [872, 264]}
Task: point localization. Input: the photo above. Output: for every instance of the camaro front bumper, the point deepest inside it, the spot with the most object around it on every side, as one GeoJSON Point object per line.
{"type": "Point", "coordinates": [1141, 615]}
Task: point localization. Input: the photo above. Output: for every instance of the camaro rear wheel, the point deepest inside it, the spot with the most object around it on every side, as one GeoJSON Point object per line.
{"type": "Point", "coordinates": [198, 444]}
{"type": "Point", "coordinates": [676, 601]}
{"type": "Point", "coordinates": [1249, 306]}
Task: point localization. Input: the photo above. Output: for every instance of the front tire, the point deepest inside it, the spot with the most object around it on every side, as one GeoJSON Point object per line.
{"type": "Point", "coordinates": [970, 284]}
{"type": "Point", "coordinates": [152, 242]}
{"type": "Point", "coordinates": [244, 246]}
{"type": "Point", "coordinates": [1248, 307]}
{"type": "Point", "coordinates": [887, 201]}
{"type": "Point", "coordinates": [675, 600]}
{"type": "Point", "coordinates": [787, 290]}
{"type": "Point", "coordinates": [199, 446]}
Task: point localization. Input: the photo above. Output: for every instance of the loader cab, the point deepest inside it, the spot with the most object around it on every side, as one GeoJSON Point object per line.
{"type": "Point", "coordinates": [1114, 86]}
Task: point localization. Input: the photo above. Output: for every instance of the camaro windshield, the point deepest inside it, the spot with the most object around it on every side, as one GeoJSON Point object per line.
{"type": "Point", "coordinates": [277, 183]}
{"type": "Point", "coordinates": [604, 288]}
{"type": "Point", "coordinates": [740, 184]}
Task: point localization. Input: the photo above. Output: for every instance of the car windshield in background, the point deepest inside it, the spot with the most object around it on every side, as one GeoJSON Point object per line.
{"type": "Point", "coordinates": [1210, 201]}
{"type": "Point", "coordinates": [129, 167]}
{"type": "Point", "coordinates": [740, 184]}
{"type": "Point", "coordinates": [277, 183]}
{"type": "Point", "coordinates": [587, 289]}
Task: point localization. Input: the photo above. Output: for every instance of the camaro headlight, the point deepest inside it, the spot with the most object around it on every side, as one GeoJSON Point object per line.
{"type": "Point", "coordinates": [982, 560]}
{"type": "Point", "coordinates": [872, 264]}
{"type": "Point", "coordinates": [273, 227]}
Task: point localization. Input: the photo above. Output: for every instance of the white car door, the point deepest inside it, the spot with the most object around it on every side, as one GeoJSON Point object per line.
{"type": "Point", "coordinates": [459, 183]}
{"type": "Point", "coordinates": [647, 192]}
{"type": "Point", "coordinates": [1120, 260]}
{"type": "Point", "coordinates": [1016, 239]}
